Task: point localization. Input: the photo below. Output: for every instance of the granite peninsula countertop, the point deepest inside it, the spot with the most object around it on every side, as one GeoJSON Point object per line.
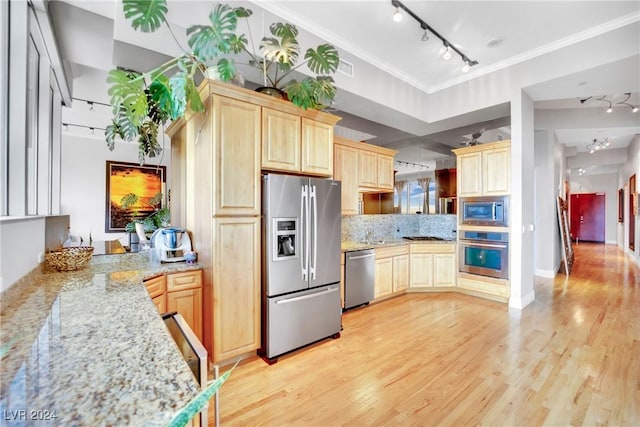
{"type": "Point", "coordinates": [89, 348]}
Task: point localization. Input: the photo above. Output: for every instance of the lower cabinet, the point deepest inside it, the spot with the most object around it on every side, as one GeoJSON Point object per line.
{"type": "Point", "coordinates": [432, 265]}
{"type": "Point", "coordinates": [180, 292]}
{"type": "Point", "coordinates": [392, 270]}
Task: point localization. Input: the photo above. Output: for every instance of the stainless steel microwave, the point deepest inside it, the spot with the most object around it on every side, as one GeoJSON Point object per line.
{"type": "Point", "coordinates": [492, 210]}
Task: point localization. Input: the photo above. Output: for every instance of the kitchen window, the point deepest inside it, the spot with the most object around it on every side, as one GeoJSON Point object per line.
{"type": "Point", "coordinates": [409, 196]}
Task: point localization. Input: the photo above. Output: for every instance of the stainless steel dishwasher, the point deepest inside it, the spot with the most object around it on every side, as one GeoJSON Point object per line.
{"type": "Point", "coordinates": [359, 277]}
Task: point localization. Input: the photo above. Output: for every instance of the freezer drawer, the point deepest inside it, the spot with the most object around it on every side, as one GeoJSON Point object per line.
{"type": "Point", "coordinates": [298, 319]}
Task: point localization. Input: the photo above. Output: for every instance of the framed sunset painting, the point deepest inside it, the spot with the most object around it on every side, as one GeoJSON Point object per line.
{"type": "Point", "coordinates": [146, 181]}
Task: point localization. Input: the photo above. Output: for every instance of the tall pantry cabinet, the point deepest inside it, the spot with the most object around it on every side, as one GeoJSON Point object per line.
{"type": "Point", "coordinates": [216, 195]}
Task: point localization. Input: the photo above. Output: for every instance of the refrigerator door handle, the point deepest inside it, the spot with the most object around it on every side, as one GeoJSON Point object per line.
{"type": "Point", "coordinates": [304, 257]}
{"type": "Point", "coordinates": [314, 215]}
{"type": "Point", "coordinates": [303, 297]}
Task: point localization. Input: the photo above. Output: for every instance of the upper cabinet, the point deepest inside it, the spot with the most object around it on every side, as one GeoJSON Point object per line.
{"type": "Point", "coordinates": [362, 168]}
{"type": "Point", "coordinates": [484, 170]}
{"type": "Point", "coordinates": [295, 144]}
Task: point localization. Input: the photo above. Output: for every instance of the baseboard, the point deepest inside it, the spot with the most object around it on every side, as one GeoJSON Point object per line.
{"type": "Point", "coordinates": [549, 274]}
{"type": "Point", "coordinates": [520, 303]}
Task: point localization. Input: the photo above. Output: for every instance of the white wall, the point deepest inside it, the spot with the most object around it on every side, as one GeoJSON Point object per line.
{"type": "Point", "coordinates": [546, 235]}
{"type": "Point", "coordinates": [521, 241]}
{"type": "Point", "coordinates": [28, 235]}
{"type": "Point", "coordinates": [84, 182]}
{"type": "Point", "coordinates": [630, 167]}
{"type": "Point", "coordinates": [604, 183]}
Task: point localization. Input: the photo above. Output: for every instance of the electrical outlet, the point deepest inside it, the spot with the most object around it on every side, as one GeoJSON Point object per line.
{"type": "Point", "coordinates": [40, 257]}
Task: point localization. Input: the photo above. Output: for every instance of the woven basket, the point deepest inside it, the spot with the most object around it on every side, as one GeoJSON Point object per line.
{"type": "Point", "coordinates": [69, 259]}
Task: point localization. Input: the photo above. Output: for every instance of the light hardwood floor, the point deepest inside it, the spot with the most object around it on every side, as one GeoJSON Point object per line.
{"type": "Point", "coordinates": [572, 357]}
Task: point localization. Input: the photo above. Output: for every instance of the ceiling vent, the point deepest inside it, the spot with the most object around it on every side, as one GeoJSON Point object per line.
{"type": "Point", "coordinates": [345, 68]}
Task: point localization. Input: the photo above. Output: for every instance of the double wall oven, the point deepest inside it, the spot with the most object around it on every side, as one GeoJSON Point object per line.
{"type": "Point", "coordinates": [483, 250]}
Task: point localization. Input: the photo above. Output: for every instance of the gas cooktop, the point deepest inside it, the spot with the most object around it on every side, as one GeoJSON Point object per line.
{"type": "Point", "coordinates": [424, 238]}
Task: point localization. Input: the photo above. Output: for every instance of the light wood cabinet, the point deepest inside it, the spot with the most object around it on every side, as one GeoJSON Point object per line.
{"type": "Point", "coordinates": [291, 143]}
{"type": "Point", "coordinates": [362, 168]}
{"type": "Point", "coordinates": [400, 273]}
{"type": "Point", "coordinates": [486, 287]}
{"type": "Point", "coordinates": [236, 157]}
{"type": "Point", "coordinates": [392, 270]}
{"type": "Point", "coordinates": [346, 171]}
{"type": "Point", "coordinates": [496, 171]}
{"type": "Point", "coordinates": [432, 265]}
{"type": "Point", "coordinates": [281, 141]}
{"type": "Point", "coordinates": [444, 270]}
{"type": "Point", "coordinates": [384, 277]}
{"type": "Point", "coordinates": [317, 148]}
{"type": "Point", "coordinates": [385, 172]}
{"type": "Point", "coordinates": [367, 169]}
{"type": "Point", "coordinates": [236, 286]}
{"type": "Point", "coordinates": [180, 292]}
{"type": "Point", "coordinates": [484, 170]}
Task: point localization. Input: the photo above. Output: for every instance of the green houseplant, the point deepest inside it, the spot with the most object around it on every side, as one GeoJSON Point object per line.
{"type": "Point", "coordinates": [145, 101]}
{"type": "Point", "coordinates": [279, 57]}
{"type": "Point", "coordinates": [160, 216]}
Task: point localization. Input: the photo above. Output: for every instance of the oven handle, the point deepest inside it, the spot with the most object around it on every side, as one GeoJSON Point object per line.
{"type": "Point", "coordinates": [483, 245]}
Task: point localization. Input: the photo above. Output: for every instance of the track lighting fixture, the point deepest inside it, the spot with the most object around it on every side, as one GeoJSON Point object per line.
{"type": "Point", "coordinates": [397, 16]}
{"type": "Point", "coordinates": [598, 145]}
{"type": "Point", "coordinates": [413, 165]}
{"type": "Point", "coordinates": [611, 102]}
{"type": "Point", "coordinates": [92, 129]}
{"type": "Point", "coordinates": [634, 108]}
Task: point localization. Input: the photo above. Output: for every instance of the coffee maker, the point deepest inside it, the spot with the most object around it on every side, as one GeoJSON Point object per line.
{"type": "Point", "coordinates": [170, 244]}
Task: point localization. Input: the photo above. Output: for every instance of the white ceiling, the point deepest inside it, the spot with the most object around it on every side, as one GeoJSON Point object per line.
{"type": "Point", "coordinates": [500, 35]}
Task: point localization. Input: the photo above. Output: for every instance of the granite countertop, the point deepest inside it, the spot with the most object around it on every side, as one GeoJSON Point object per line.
{"type": "Point", "coordinates": [88, 347]}
{"type": "Point", "coordinates": [348, 246]}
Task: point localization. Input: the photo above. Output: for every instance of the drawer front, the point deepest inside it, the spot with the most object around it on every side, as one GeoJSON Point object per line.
{"type": "Point", "coordinates": [185, 280]}
{"type": "Point", "coordinates": [433, 248]}
{"type": "Point", "coordinates": [155, 286]}
{"type": "Point", "coordinates": [487, 288]}
{"type": "Point", "coordinates": [392, 251]}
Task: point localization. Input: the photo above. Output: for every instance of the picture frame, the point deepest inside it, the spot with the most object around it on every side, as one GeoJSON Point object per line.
{"type": "Point", "coordinates": [621, 205]}
{"type": "Point", "coordinates": [122, 178]}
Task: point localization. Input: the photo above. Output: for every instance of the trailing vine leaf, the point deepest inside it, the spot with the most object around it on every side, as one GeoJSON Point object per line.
{"type": "Point", "coordinates": [195, 103]}
{"type": "Point", "coordinates": [323, 60]}
{"type": "Point", "coordinates": [311, 92]}
{"type": "Point", "coordinates": [146, 15]}
{"type": "Point", "coordinates": [148, 140]}
{"type": "Point", "coordinates": [110, 134]}
{"type": "Point", "coordinates": [211, 41]}
{"type": "Point", "coordinates": [226, 69]}
{"type": "Point", "coordinates": [127, 91]}
{"type": "Point", "coordinates": [285, 52]}
{"type": "Point", "coordinates": [178, 84]}
{"type": "Point", "coordinates": [126, 129]}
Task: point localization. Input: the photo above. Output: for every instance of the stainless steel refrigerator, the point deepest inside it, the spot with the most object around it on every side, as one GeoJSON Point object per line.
{"type": "Point", "coordinates": [300, 262]}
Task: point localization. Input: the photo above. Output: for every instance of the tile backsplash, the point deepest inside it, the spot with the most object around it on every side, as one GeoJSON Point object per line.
{"type": "Point", "coordinates": [393, 227]}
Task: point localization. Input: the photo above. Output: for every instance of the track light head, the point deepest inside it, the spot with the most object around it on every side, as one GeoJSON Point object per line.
{"type": "Point", "coordinates": [447, 53]}
{"type": "Point", "coordinates": [397, 16]}
{"type": "Point", "coordinates": [466, 67]}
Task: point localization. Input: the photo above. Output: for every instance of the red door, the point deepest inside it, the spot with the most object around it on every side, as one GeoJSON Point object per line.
{"type": "Point", "coordinates": [587, 217]}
